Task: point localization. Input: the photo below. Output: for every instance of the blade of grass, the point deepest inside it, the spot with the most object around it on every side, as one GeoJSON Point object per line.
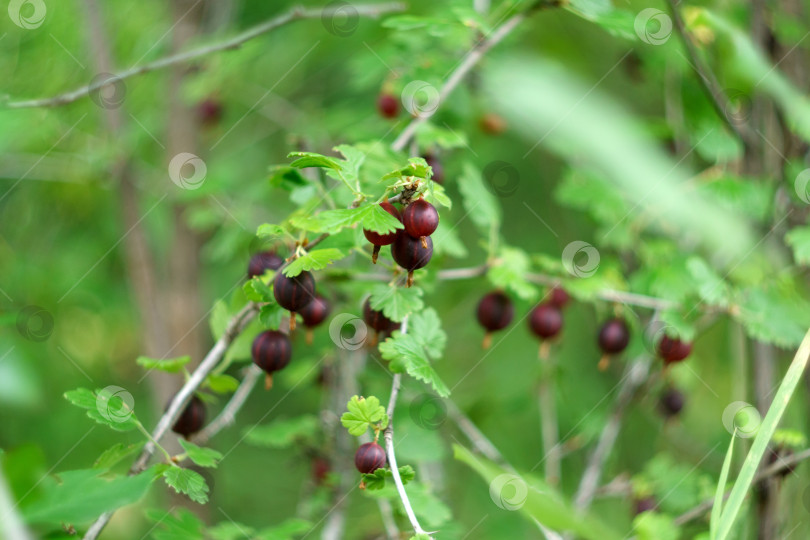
{"type": "Point", "coordinates": [721, 488]}
{"type": "Point", "coordinates": [766, 430]}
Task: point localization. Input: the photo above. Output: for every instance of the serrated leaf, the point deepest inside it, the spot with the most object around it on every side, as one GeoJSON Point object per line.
{"type": "Point", "coordinates": [426, 327]}
{"type": "Point", "coordinates": [799, 241]}
{"type": "Point", "coordinates": [314, 260]}
{"type": "Point", "coordinates": [711, 287]}
{"type": "Point", "coordinates": [113, 455]}
{"type": "Point", "coordinates": [375, 218]}
{"type": "Point", "coordinates": [330, 221]}
{"type": "Point", "coordinates": [362, 413]}
{"type": "Point", "coordinates": [311, 159]}
{"type": "Point", "coordinates": [396, 302]}
{"type": "Point", "coordinates": [222, 383]}
{"type": "Point", "coordinates": [285, 433]}
{"type": "Point", "coordinates": [376, 480]}
{"type": "Point", "coordinates": [270, 316]}
{"type": "Point", "coordinates": [417, 167]}
{"type": "Point", "coordinates": [774, 316]}
{"type": "Point", "coordinates": [408, 355]}
{"type": "Point", "coordinates": [509, 272]}
{"type": "Point", "coordinates": [169, 365]}
{"type": "Point", "coordinates": [354, 159]}
{"type": "Point", "coordinates": [188, 482]}
{"type": "Point", "coordinates": [286, 177]}
{"type": "Point", "coordinates": [479, 202]}
{"type": "Point", "coordinates": [257, 290]}
{"type": "Point", "coordinates": [436, 194]}
{"type": "Point", "coordinates": [204, 457]}
{"type": "Point", "coordinates": [111, 406]}
{"type": "Point", "coordinates": [83, 495]}
{"type": "Point", "coordinates": [270, 230]}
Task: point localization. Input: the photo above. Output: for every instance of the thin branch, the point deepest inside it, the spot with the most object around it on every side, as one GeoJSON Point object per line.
{"type": "Point", "coordinates": [589, 483]}
{"type": "Point", "coordinates": [181, 399]}
{"type": "Point", "coordinates": [708, 81]}
{"type": "Point", "coordinates": [295, 14]}
{"type": "Point", "coordinates": [474, 56]}
{"type": "Point", "coordinates": [389, 446]}
{"type": "Point", "coordinates": [475, 435]}
{"type": "Point", "coordinates": [229, 412]}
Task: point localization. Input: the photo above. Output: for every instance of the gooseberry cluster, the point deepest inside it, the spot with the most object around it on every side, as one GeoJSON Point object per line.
{"type": "Point", "coordinates": [411, 247]}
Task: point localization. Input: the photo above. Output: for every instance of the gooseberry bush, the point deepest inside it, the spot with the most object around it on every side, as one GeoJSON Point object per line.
{"type": "Point", "coordinates": [430, 293]}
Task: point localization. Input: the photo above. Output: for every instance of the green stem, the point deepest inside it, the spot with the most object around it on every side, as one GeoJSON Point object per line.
{"type": "Point", "coordinates": [157, 445]}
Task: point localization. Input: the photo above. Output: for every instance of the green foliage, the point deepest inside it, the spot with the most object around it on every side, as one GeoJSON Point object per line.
{"type": "Point", "coordinates": [412, 353]}
{"type": "Point", "coordinates": [187, 482]}
{"type": "Point", "coordinates": [509, 273]}
{"type": "Point", "coordinates": [396, 302]}
{"type": "Point", "coordinates": [79, 496]}
{"type": "Point", "coordinates": [376, 480]}
{"type": "Point", "coordinates": [285, 433]}
{"type": "Point", "coordinates": [256, 290]}
{"type": "Point", "coordinates": [113, 455]}
{"type": "Point", "coordinates": [203, 457]}
{"type": "Point", "coordinates": [364, 413]}
{"type": "Point", "coordinates": [107, 407]}
{"type": "Point", "coordinates": [479, 203]}
{"type": "Point", "coordinates": [655, 526]}
{"type": "Point", "coordinates": [313, 260]}
{"type": "Point", "coordinates": [221, 383]}
{"type": "Point", "coordinates": [799, 240]}
{"type": "Point", "coordinates": [170, 365]}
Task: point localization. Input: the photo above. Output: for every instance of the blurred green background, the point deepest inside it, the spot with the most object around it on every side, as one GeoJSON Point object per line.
{"type": "Point", "coordinates": [86, 194]}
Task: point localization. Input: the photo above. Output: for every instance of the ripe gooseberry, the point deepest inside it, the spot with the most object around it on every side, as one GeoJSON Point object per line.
{"type": "Point", "coordinates": [495, 312]}
{"type": "Point", "coordinates": [192, 418]}
{"type": "Point", "coordinates": [420, 219]}
{"type": "Point", "coordinates": [411, 254]}
{"type": "Point", "coordinates": [265, 260]}
{"type": "Point", "coordinates": [271, 351]}
{"type": "Point", "coordinates": [294, 293]}
{"type": "Point", "coordinates": [614, 336]}
{"type": "Point", "coordinates": [369, 457]}
{"type": "Point", "coordinates": [314, 314]}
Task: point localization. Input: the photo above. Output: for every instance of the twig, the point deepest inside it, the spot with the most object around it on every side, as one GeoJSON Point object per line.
{"type": "Point", "coordinates": [588, 484]}
{"type": "Point", "coordinates": [474, 56]}
{"type": "Point", "coordinates": [389, 446]}
{"type": "Point", "coordinates": [549, 430]}
{"type": "Point", "coordinates": [708, 81]}
{"type": "Point", "coordinates": [228, 414]}
{"type": "Point", "coordinates": [475, 435]}
{"type": "Point", "coordinates": [178, 403]}
{"type": "Point", "coordinates": [780, 466]}
{"type": "Point", "coordinates": [295, 14]}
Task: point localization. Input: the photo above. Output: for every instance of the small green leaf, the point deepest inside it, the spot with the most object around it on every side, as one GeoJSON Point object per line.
{"type": "Point", "coordinates": [257, 290]}
{"type": "Point", "coordinates": [270, 230]}
{"type": "Point", "coordinates": [79, 496]}
{"type": "Point", "coordinates": [204, 457]}
{"type": "Point", "coordinates": [284, 433]}
{"type": "Point", "coordinates": [509, 272]}
{"type": "Point", "coordinates": [222, 383]}
{"type": "Point", "coordinates": [426, 327]}
{"type": "Point", "coordinates": [799, 240]}
{"type": "Point", "coordinates": [435, 194]}
{"type": "Point", "coordinates": [330, 221]}
{"type": "Point", "coordinates": [314, 260]}
{"type": "Point", "coordinates": [407, 354]}
{"type": "Point", "coordinates": [311, 159]}
{"type": "Point", "coordinates": [396, 302]}
{"type": "Point", "coordinates": [479, 202]}
{"type": "Point", "coordinates": [169, 365]}
{"type": "Point", "coordinates": [270, 316]}
{"type": "Point", "coordinates": [113, 455]}
{"type": "Point", "coordinates": [417, 167]}
{"type": "Point", "coordinates": [111, 406]}
{"type": "Point", "coordinates": [187, 482]}
{"type": "Point", "coordinates": [376, 480]}
{"type": "Point", "coordinates": [362, 413]}
{"type": "Point", "coordinates": [376, 219]}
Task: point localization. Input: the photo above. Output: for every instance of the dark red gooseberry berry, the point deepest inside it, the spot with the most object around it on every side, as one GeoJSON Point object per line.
{"type": "Point", "coordinates": [388, 106]}
{"type": "Point", "coordinates": [266, 260]}
{"type": "Point", "coordinates": [559, 298]}
{"type": "Point", "coordinates": [320, 468]}
{"type": "Point", "coordinates": [192, 419]}
{"type": "Point", "coordinates": [614, 336]}
{"type": "Point", "coordinates": [376, 319]}
{"type": "Point", "coordinates": [378, 239]}
{"type": "Point", "coordinates": [369, 458]}
{"type": "Point", "coordinates": [420, 219]}
{"type": "Point", "coordinates": [645, 504]}
{"type": "Point", "coordinates": [438, 168]}
{"type": "Point", "coordinates": [673, 350]}
{"type": "Point", "coordinates": [410, 254]}
{"type": "Point", "coordinates": [314, 314]}
{"type": "Point", "coordinates": [546, 321]}
{"type": "Point", "coordinates": [209, 111]}
{"type": "Point", "coordinates": [495, 312]}
{"type": "Point", "coordinates": [271, 351]}
{"type": "Point", "coordinates": [294, 293]}
{"type": "Point", "coordinates": [671, 402]}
